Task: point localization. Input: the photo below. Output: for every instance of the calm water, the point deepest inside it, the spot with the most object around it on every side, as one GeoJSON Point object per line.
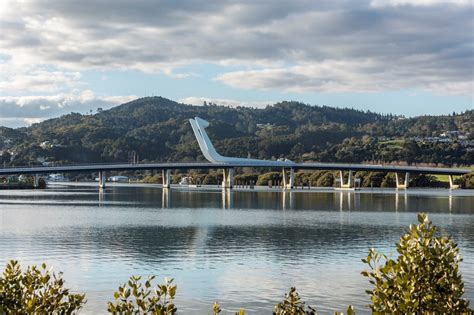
{"type": "Point", "coordinates": [243, 249]}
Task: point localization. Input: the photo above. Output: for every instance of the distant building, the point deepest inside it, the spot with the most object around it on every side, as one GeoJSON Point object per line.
{"type": "Point", "coordinates": [45, 145]}
{"type": "Point", "coordinates": [118, 179]}
{"type": "Point", "coordinates": [57, 178]}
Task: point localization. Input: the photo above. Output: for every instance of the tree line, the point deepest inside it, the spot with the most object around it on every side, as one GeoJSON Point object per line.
{"type": "Point", "coordinates": [157, 129]}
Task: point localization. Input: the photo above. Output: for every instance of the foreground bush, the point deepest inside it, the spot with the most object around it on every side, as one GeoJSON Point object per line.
{"type": "Point", "coordinates": [292, 304]}
{"type": "Point", "coordinates": [36, 291]}
{"type": "Point", "coordinates": [424, 278]}
{"type": "Point", "coordinates": [137, 298]}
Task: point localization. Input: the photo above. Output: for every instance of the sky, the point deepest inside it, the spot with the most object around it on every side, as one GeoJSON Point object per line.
{"type": "Point", "coordinates": [390, 56]}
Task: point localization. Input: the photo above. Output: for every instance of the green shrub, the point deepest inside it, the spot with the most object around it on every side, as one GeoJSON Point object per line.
{"type": "Point", "coordinates": [326, 180]}
{"type": "Point", "coordinates": [138, 298]}
{"type": "Point", "coordinates": [246, 179]}
{"type": "Point", "coordinates": [273, 176]}
{"type": "Point", "coordinates": [153, 179]}
{"type": "Point", "coordinates": [467, 181]}
{"type": "Point", "coordinates": [37, 291]}
{"type": "Point", "coordinates": [216, 309]}
{"type": "Point", "coordinates": [212, 179]}
{"type": "Point", "coordinates": [424, 278]}
{"type": "Point", "coordinates": [372, 179]}
{"type": "Point", "coordinates": [389, 180]}
{"type": "Point", "coordinates": [293, 305]}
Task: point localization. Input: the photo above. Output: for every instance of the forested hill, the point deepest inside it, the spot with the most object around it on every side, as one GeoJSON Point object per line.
{"type": "Point", "coordinates": [157, 129]}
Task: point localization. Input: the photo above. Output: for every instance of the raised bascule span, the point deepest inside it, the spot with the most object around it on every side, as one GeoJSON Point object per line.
{"type": "Point", "coordinates": [227, 164]}
{"type": "Point", "coordinates": [207, 148]}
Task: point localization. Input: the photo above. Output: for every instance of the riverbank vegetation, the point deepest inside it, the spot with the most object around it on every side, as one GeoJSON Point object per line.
{"type": "Point", "coordinates": [306, 179]}
{"type": "Point", "coordinates": [423, 279]}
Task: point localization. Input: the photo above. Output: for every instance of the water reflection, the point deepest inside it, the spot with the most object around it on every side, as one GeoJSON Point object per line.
{"type": "Point", "coordinates": [227, 198]}
{"type": "Point", "coordinates": [404, 200]}
{"type": "Point", "coordinates": [288, 200]}
{"type": "Point", "coordinates": [166, 198]}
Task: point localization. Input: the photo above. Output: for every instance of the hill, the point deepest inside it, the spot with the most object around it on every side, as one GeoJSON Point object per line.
{"type": "Point", "coordinates": [157, 129]}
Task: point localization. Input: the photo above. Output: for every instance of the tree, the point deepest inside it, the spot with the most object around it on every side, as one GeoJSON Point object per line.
{"type": "Point", "coordinates": [326, 180]}
{"type": "Point", "coordinates": [424, 278]}
{"type": "Point", "coordinates": [36, 291]}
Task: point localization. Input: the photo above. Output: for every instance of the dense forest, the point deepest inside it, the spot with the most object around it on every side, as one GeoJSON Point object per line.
{"type": "Point", "coordinates": [157, 129]}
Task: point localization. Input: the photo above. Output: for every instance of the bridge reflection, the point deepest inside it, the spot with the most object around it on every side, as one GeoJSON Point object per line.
{"type": "Point", "coordinates": [326, 200]}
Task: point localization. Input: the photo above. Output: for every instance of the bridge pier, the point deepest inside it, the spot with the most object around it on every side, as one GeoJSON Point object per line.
{"type": "Point", "coordinates": [102, 179]}
{"type": "Point", "coordinates": [350, 180]}
{"type": "Point", "coordinates": [289, 182]}
{"type": "Point", "coordinates": [166, 176]}
{"type": "Point", "coordinates": [405, 183]}
{"type": "Point", "coordinates": [228, 178]}
{"type": "Point", "coordinates": [451, 183]}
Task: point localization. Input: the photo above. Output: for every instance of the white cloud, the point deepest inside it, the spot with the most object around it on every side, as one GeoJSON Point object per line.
{"type": "Point", "coordinates": [24, 110]}
{"type": "Point", "coordinates": [301, 45]}
{"type": "Point", "coordinates": [382, 3]}
{"type": "Point", "coordinates": [347, 76]}
{"type": "Point", "coordinates": [36, 80]}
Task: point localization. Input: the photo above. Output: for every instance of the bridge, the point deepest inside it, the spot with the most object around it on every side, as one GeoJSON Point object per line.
{"type": "Point", "coordinates": [228, 164]}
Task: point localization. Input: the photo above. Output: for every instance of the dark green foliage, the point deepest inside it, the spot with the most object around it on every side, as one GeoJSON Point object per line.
{"type": "Point", "coordinates": [135, 297]}
{"type": "Point", "coordinates": [36, 291]}
{"type": "Point", "coordinates": [423, 180]}
{"type": "Point", "coordinates": [389, 180]}
{"type": "Point", "coordinates": [212, 179]}
{"type": "Point", "coordinates": [246, 179]}
{"type": "Point", "coordinates": [326, 180]}
{"type": "Point", "coordinates": [264, 179]}
{"type": "Point", "coordinates": [292, 305]}
{"type": "Point", "coordinates": [424, 278]}
{"type": "Point", "coordinates": [158, 130]}
{"type": "Point", "coordinates": [371, 179]}
{"type": "Point", "coordinates": [467, 181]}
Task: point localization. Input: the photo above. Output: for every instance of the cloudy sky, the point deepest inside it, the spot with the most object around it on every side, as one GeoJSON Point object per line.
{"type": "Point", "coordinates": [408, 57]}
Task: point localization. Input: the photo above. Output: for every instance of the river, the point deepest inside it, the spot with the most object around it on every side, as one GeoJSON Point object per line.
{"type": "Point", "coordinates": [244, 249]}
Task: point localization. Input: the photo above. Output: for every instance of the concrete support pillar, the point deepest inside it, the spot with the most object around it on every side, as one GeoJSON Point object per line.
{"type": "Point", "coordinates": [288, 182]}
{"type": "Point", "coordinates": [228, 178]}
{"type": "Point", "coordinates": [451, 183]}
{"type": "Point", "coordinates": [102, 179]}
{"type": "Point", "coordinates": [405, 182]}
{"type": "Point", "coordinates": [166, 175]}
{"type": "Point", "coordinates": [36, 179]}
{"type": "Point", "coordinates": [350, 180]}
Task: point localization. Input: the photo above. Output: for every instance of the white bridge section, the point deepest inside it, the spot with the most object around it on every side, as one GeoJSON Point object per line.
{"type": "Point", "coordinates": [199, 125]}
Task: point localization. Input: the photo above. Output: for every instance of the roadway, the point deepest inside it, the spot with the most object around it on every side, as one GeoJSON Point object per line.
{"type": "Point", "coordinates": [207, 165]}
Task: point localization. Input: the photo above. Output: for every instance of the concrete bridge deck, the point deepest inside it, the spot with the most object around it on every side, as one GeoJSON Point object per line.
{"type": "Point", "coordinates": [207, 165]}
